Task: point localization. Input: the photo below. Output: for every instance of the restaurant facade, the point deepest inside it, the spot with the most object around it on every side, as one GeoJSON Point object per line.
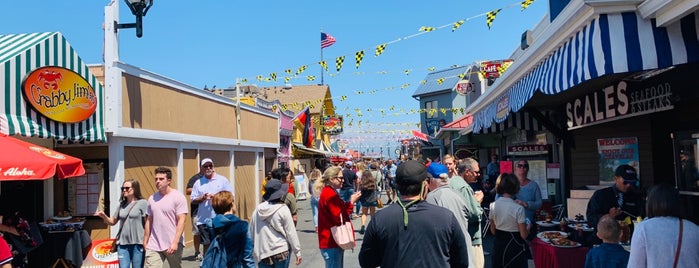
{"type": "Point", "coordinates": [612, 83]}
{"type": "Point", "coordinates": [145, 120]}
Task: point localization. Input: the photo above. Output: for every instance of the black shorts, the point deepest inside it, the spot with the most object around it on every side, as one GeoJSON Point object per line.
{"type": "Point", "coordinates": [205, 234]}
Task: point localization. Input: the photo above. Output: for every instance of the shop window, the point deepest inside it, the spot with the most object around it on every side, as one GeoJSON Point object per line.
{"type": "Point", "coordinates": [86, 193]}
{"type": "Point", "coordinates": [429, 105]}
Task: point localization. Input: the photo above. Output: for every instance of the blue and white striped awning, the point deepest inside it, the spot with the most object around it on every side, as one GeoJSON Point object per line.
{"type": "Point", "coordinates": [609, 44]}
{"type": "Point", "coordinates": [520, 120]}
{"type": "Point", "coordinates": [20, 54]}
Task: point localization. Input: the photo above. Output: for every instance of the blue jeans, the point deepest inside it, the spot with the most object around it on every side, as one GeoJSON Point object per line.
{"type": "Point", "coordinates": [333, 257]}
{"type": "Point", "coordinates": [346, 194]}
{"type": "Point", "coordinates": [314, 209]}
{"type": "Point", "coordinates": [281, 264]}
{"type": "Point", "coordinates": [130, 256]}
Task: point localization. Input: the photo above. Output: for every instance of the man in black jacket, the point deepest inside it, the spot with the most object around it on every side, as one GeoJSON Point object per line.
{"type": "Point", "coordinates": [618, 201]}
{"type": "Point", "coordinates": [412, 232]}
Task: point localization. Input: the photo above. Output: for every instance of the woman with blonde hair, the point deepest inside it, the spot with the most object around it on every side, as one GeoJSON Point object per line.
{"type": "Point", "coordinates": [315, 186]}
{"type": "Point", "coordinates": [131, 212]}
{"type": "Point", "coordinates": [332, 211]}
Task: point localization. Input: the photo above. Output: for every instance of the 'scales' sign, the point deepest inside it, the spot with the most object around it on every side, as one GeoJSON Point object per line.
{"type": "Point", "coordinates": [60, 94]}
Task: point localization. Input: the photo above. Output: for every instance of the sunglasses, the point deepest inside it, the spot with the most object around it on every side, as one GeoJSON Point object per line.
{"type": "Point", "coordinates": [631, 182]}
{"type": "Point", "coordinates": [522, 165]}
{"type": "Point", "coordinates": [208, 166]}
{"type": "Point", "coordinates": [125, 188]}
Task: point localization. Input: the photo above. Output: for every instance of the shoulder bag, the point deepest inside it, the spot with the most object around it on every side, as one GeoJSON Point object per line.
{"type": "Point", "coordinates": [679, 246]}
{"type": "Point", "coordinates": [114, 243]}
{"type": "Point", "coordinates": [343, 234]}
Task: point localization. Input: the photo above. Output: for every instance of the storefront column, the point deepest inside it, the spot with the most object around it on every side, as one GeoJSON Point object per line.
{"type": "Point", "coordinates": [116, 178]}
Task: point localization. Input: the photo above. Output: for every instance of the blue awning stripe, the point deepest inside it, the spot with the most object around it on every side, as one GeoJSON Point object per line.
{"type": "Point", "coordinates": [609, 44]}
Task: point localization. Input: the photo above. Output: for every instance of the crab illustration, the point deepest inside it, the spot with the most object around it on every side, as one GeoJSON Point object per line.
{"type": "Point", "coordinates": [50, 79]}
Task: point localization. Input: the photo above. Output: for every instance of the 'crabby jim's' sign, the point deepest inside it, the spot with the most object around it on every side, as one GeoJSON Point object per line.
{"type": "Point", "coordinates": [60, 94]}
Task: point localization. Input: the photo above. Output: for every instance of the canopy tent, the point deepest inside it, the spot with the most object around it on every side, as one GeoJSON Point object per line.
{"type": "Point", "coordinates": [22, 160]}
{"type": "Point", "coordinates": [20, 56]}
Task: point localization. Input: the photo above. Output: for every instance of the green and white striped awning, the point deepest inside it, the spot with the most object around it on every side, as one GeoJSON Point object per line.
{"type": "Point", "coordinates": [20, 54]}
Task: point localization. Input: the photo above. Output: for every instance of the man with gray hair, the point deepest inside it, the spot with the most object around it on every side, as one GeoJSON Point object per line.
{"type": "Point", "coordinates": [468, 170]}
{"type": "Point", "coordinates": [442, 195]}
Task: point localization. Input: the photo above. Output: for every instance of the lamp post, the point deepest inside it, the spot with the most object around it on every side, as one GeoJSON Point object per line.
{"type": "Point", "coordinates": [113, 89]}
{"type": "Point", "coordinates": [139, 8]}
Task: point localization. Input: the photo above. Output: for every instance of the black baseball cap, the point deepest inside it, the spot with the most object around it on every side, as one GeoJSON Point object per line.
{"type": "Point", "coordinates": [411, 172]}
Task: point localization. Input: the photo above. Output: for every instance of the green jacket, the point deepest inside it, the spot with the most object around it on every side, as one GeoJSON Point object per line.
{"type": "Point", "coordinates": [475, 211]}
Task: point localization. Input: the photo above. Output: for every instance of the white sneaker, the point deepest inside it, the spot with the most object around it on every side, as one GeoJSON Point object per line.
{"type": "Point", "coordinates": [198, 257]}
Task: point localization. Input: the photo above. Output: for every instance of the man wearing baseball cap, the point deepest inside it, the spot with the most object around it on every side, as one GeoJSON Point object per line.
{"type": "Point", "coordinates": [203, 190]}
{"type": "Point", "coordinates": [620, 200]}
{"type": "Point", "coordinates": [412, 232]}
{"type": "Point", "coordinates": [441, 194]}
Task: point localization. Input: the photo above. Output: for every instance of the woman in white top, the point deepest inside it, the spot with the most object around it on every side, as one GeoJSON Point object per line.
{"type": "Point", "coordinates": [655, 240]}
{"type": "Point", "coordinates": [507, 223]}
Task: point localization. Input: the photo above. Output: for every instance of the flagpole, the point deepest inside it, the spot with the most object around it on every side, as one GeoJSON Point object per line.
{"type": "Point", "coordinates": [321, 59]}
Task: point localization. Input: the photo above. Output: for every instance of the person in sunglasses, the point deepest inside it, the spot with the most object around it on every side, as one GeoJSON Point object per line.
{"type": "Point", "coordinates": [529, 195]}
{"type": "Point", "coordinates": [131, 212]}
{"type": "Point", "coordinates": [618, 201]}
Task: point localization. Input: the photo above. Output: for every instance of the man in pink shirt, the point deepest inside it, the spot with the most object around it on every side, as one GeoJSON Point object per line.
{"type": "Point", "coordinates": [167, 210]}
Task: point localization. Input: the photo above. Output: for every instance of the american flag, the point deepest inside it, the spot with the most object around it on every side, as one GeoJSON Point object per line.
{"type": "Point", "coordinates": [326, 40]}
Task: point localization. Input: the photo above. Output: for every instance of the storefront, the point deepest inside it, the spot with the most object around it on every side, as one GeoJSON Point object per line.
{"type": "Point", "coordinates": [49, 97]}
{"type": "Point", "coordinates": [617, 86]}
{"type": "Point", "coordinates": [145, 120]}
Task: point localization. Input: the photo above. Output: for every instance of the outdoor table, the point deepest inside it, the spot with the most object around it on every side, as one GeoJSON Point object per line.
{"type": "Point", "coordinates": [547, 255]}
{"type": "Point", "coordinates": [66, 245]}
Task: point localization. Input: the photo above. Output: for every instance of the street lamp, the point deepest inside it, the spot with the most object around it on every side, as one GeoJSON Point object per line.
{"type": "Point", "coordinates": [139, 8]}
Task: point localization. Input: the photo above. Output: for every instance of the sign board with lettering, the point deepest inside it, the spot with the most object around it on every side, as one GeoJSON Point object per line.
{"type": "Point", "coordinates": [617, 102]}
{"type": "Point", "coordinates": [503, 108]}
{"type": "Point", "coordinates": [100, 256]}
{"type": "Point", "coordinates": [614, 152]}
{"type": "Point", "coordinates": [332, 124]}
{"type": "Point", "coordinates": [60, 94]}
{"type": "Point", "coordinates": [529, 149]}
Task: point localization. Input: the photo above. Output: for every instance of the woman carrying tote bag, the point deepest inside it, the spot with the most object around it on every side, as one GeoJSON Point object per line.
{"type": "Point", "coordinates": [332, 211]}
{"type": "Point", "coordinates": [130, 213]}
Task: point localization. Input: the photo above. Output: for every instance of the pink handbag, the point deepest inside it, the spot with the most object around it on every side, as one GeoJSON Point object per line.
{"type": "Point", "coordinates": [344, 234]}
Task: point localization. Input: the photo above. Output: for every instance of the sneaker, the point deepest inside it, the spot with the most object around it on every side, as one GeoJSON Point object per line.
{"type": "Point", "coordinates": [361, 231]}
{"type": "Point", "coordinates": [198, 256]}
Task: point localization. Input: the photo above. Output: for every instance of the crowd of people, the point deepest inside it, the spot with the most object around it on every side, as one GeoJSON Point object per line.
{"type": "Point", "coordinates": [434, 208]}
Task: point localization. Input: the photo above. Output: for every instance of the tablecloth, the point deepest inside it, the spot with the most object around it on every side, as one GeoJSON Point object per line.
{"type": "Point", "coordinates": [546, 255]}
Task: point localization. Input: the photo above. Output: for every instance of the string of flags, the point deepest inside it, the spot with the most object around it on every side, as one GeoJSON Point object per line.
{"type": "Point", "coordinates": [328, 40]}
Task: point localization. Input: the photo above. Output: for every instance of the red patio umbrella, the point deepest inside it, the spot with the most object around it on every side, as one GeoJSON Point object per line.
{"type": "Point", "coordinates": [20, 160]}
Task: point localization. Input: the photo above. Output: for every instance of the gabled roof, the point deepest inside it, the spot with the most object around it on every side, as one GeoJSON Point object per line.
{"type": "Point", "coordinates": [302, 96]}
{"type": "Point", "coordinates": [450, 76]}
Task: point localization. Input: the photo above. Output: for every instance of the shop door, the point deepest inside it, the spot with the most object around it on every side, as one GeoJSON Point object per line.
{"type": "Point", "coordinates": [686, 155]}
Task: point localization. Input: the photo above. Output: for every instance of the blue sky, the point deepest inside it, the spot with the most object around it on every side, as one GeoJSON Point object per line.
{"type": "Point", "coordinates": [214, 42]}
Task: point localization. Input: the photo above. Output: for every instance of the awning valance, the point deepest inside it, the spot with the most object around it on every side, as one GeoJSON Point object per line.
{"type": "Point", "coordinates": [520, 120]}
{"type": "Point", "coordinates": [20, 55]}
{"type": "Point", "coordinates": [609, 44]}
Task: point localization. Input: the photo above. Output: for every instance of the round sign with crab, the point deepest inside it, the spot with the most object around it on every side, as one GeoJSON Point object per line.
{"type": "Point", "coordinates": [60, 94]}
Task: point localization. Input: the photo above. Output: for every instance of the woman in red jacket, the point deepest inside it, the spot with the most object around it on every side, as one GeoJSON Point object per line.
{"type": "Point", "coordinates": [330, 209]}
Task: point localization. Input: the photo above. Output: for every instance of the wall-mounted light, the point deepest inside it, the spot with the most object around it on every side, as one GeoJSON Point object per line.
{"type": "Point", "coordinates": [139, 8]}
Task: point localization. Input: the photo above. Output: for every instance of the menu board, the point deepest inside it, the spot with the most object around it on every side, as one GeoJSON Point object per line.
{"type": "Point", "coordinates": [537, 173]}
{"type": "Point", "coordinates": [86, 192]}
